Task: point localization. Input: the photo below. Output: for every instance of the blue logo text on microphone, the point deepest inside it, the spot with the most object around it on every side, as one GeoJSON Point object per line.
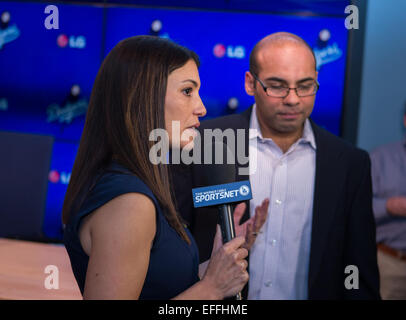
{"type": "Point", "coordinates": [221, 194]}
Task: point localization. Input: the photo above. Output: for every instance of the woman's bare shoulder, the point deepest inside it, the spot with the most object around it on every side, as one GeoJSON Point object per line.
{"type": "Point", "coordinates": [120, 218]}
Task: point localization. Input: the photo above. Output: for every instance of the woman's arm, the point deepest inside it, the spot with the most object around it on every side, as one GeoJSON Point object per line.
{"type": "Point", "coordinates": [224, 274]}
{"type": "Point", "coordinates": [121, 234]}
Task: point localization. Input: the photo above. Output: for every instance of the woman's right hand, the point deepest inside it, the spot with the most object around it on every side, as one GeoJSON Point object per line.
{"type": "Point", "coordinates": [227, 270]}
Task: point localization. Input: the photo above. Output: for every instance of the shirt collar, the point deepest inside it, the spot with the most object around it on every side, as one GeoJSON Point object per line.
{"type": "Point", "coordinates": [255, 130]}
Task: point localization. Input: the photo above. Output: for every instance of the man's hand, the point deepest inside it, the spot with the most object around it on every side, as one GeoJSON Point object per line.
{"type": "Point", "coordinates": [251, 227]}
{"type": "Point", "coordinates": [396, 206]}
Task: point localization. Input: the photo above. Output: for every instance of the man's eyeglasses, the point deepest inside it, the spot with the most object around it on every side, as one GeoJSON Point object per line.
{"type": "Point", "coordinates": [305, 90]}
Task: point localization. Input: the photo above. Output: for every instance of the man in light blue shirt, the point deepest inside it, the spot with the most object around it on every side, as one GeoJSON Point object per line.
{"type": "Point", "coordinates": [288, 179]}
{"type": "Point", "coordinates": [320, 225]}
{"type": "Point", "coordinates": [286, 162]}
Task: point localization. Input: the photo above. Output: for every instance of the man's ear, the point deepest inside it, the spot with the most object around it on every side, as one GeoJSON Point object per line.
{"type": "Point", "coordinates": [249, 83]}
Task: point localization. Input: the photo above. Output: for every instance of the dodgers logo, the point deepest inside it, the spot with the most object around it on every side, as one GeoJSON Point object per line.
{"type": "Point", "coordinates": [66, 113]}
{"type": "Point", "coordinates": [327, 55]}
{"type": "Point", "coordinates": [324, 51]}
{"type": "Point", "coordinates": [3, 104]}
{"type": "Point", "coordinates": [8, 33]}
{"type": "Point", "coordinates": [244, 190]}
{"type": "Point", "coordinates": [73, 108]}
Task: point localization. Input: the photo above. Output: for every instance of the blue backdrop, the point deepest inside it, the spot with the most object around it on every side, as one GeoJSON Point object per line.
{"type": "Point", "coordinates": [39, 68]}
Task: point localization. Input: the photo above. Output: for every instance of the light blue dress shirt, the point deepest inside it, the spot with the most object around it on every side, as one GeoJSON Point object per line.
{"type": "Point", "coordinates": [389, 180]}
{"type": "Point", "coordinates": [279, 259]}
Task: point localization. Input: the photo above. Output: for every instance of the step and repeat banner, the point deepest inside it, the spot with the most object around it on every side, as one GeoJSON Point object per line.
{"type": "Point", "coordinates": [46, 75]}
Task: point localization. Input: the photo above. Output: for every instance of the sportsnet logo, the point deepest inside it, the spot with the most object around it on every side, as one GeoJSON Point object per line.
{"type": "Point", "coordinates": [222, 193]}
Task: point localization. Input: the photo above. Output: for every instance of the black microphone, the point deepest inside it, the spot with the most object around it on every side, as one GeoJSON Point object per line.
{"type": "Point", "coordinates": [216, 174]}
{"type": "Point", "coordinates": [219, 174]}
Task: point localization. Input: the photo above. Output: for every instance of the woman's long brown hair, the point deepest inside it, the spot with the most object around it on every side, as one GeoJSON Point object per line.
{"type": "Point", "coordinates": [126, 104]}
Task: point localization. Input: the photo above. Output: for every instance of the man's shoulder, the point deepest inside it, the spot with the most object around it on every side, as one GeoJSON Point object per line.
{"type": "Point", "coordinates": [340, 145]}
{"type": "Point", "coordinates": [388, 148]}
{"type": "Point", "coordinates": [233, 121]}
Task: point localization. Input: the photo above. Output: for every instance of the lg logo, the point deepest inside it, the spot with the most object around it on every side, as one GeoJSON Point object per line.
{"type": "Point", "coordinates": [63, 41]}
{"type": "Point", "coordinates": [56, 177]}
{"type": "Point", "coordinates": [236, 52]}
{"type": "Point", "coordinates": [78, 42]}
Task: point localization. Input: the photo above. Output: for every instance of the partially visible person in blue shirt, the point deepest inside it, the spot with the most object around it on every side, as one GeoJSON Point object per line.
{"type": "Point", "coordinates": [389, 201]}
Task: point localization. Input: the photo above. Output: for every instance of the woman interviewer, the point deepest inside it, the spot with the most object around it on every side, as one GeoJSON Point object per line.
{"type": "Point", "coordinates": [123, 235]}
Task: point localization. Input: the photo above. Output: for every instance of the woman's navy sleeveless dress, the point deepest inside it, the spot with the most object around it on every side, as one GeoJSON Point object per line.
{"type": "Point", "coordinates": [173, 265]}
